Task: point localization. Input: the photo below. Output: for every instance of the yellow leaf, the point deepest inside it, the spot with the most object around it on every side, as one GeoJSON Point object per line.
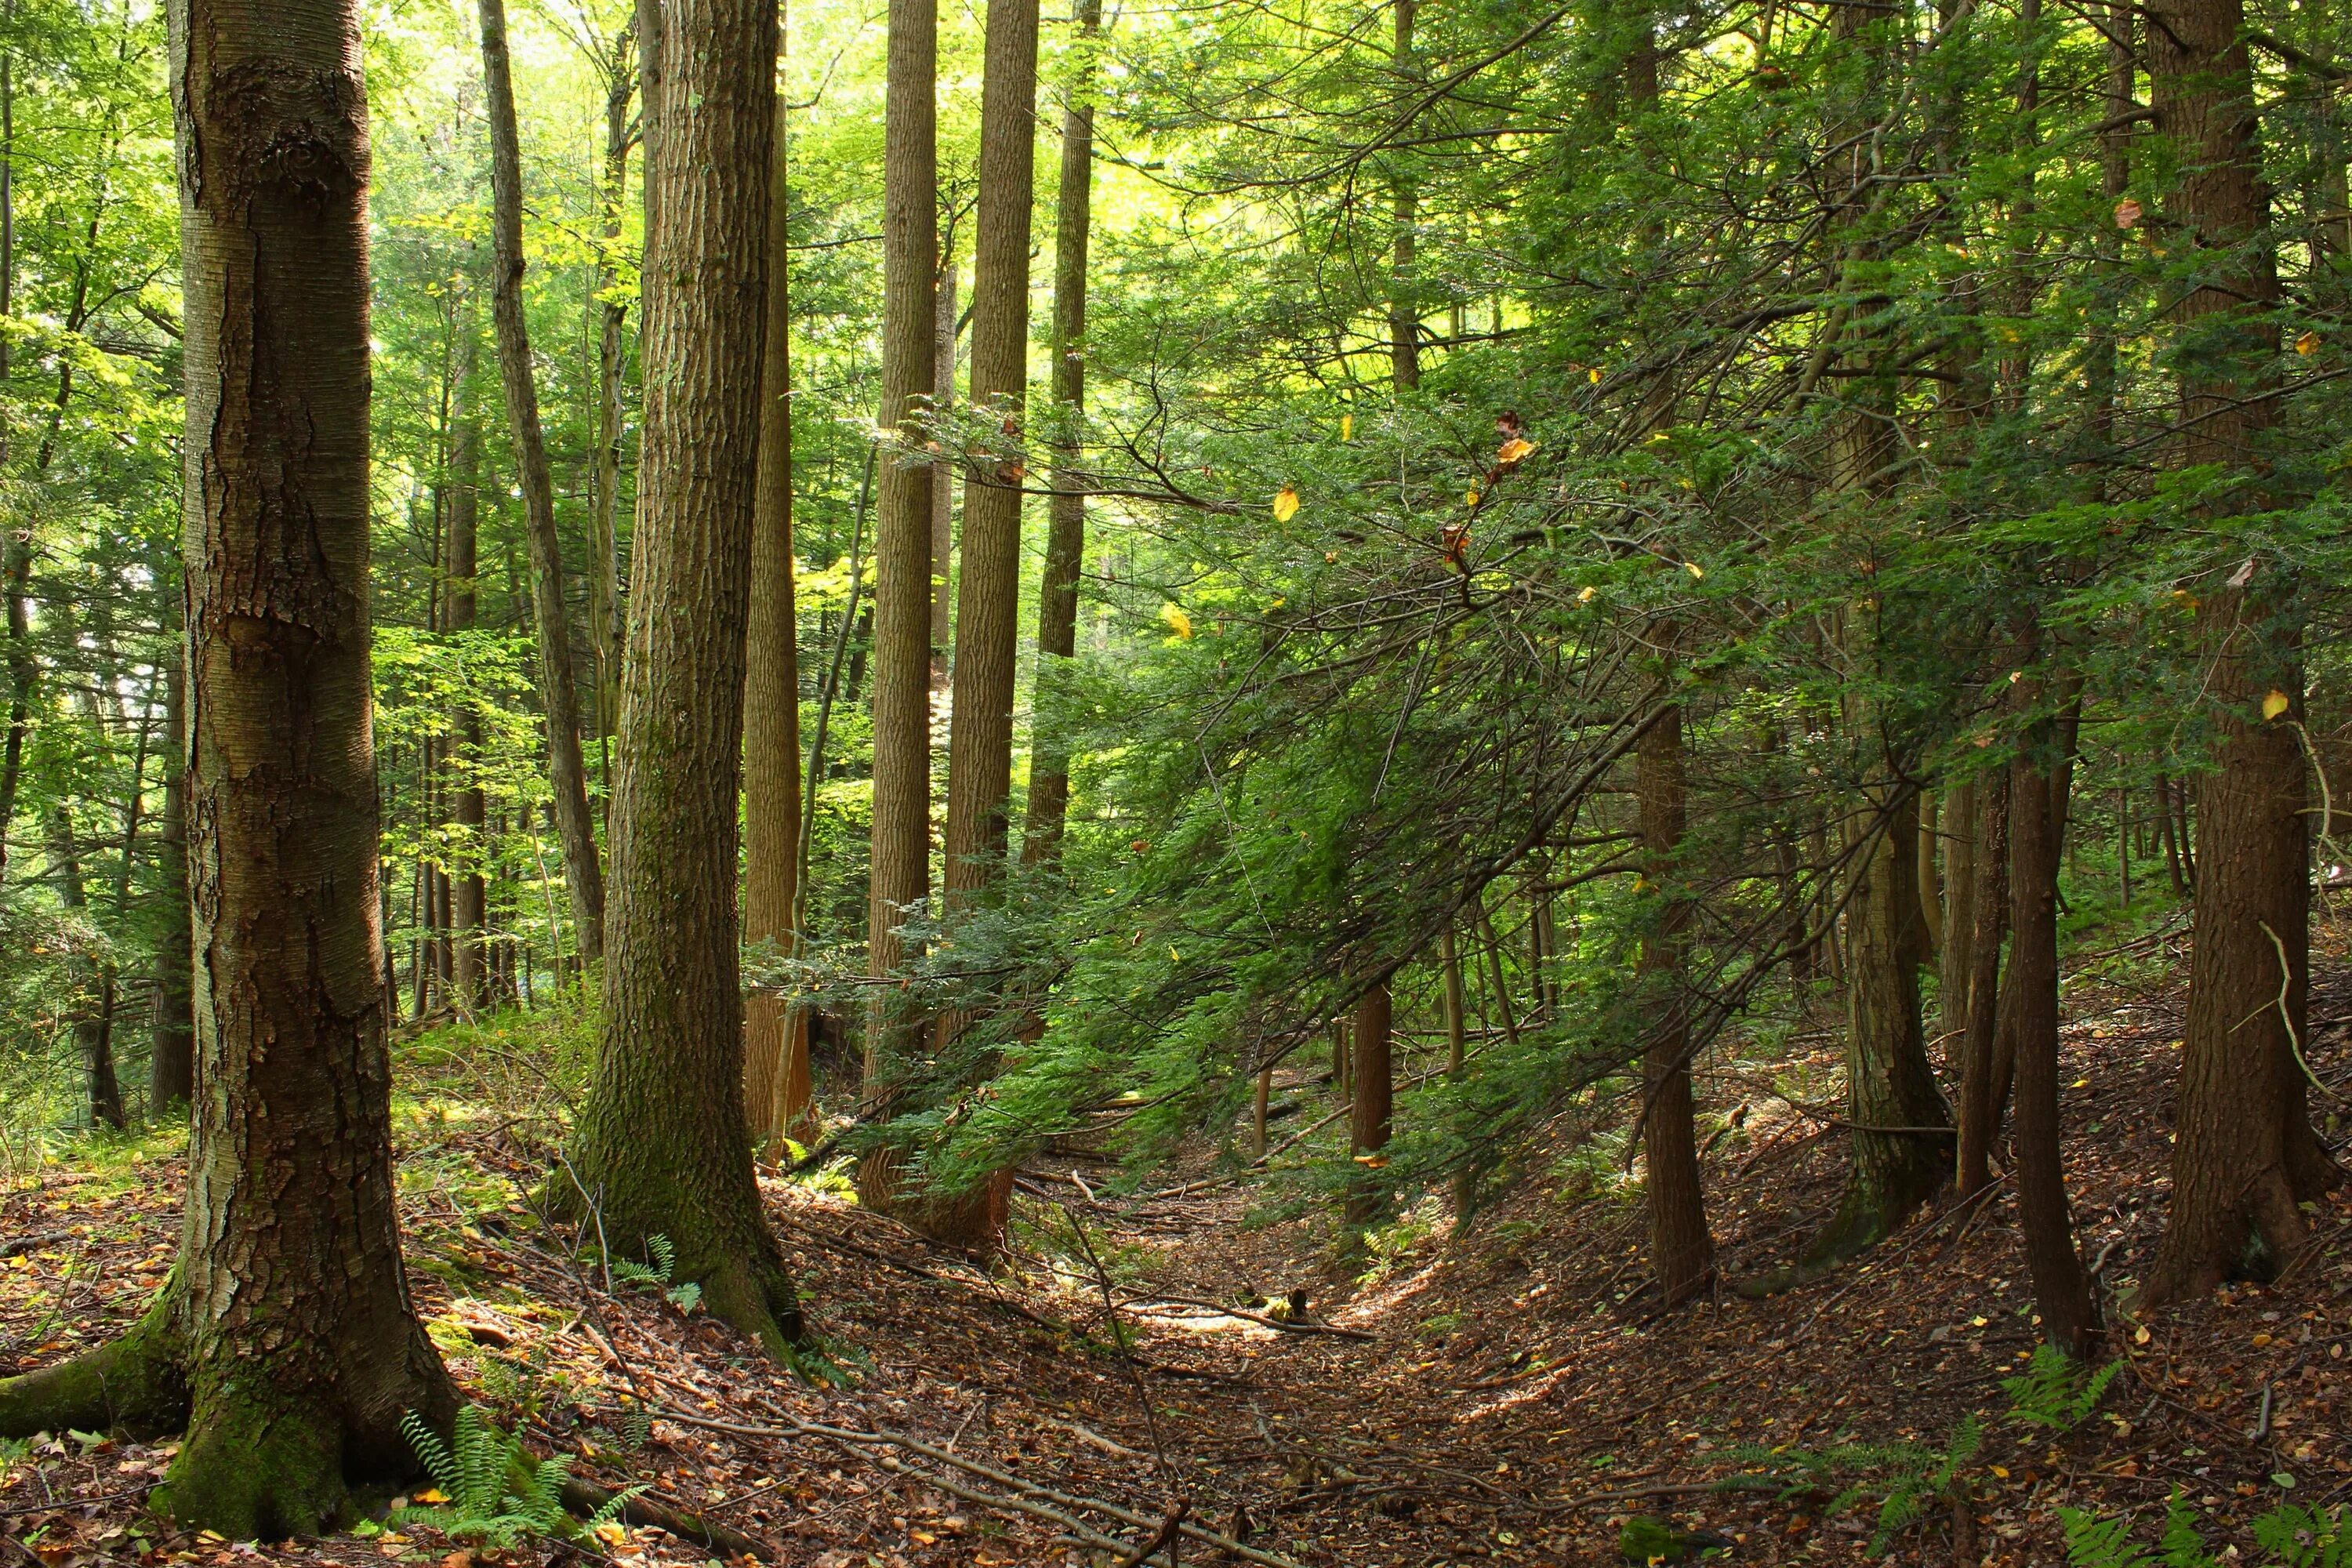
{"type": "Point", "coordinates": [1586, 597]}
{"type": "Point", "coordinates": [1174, 957]}
{"type": "Point", "coordinates": [1178, 621]}
{"type": "Point", "coordinates": [1695, 571]}
{"type": "Point", "coordinates": [2273, 705]}
{"type": "Point", "coordinates": [1470, 498]}
{"type": "Point", "coordinates": [1347, 426]}
{"type": "Point", "coordinates": [1593, 375]}
{"type": "Point", "coordinates": [2002, 1470]}
{"type": "Point", "coordinates": [1286, 504]}
{"type": "Point", "coordinates": [430, 1494]}
{"type": "Point", "coordinates": [1515, 449]}
{"type": "Point", "coordinates": [2140, 1335]}
{"type": "Point", "coordinates": [2307, 344]}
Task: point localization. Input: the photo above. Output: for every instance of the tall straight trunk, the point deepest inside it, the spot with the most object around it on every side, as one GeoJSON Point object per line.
{"type": "Point", "coordinates": [1931, 894]}
{"type": "Point", "coordinates": [559, 691]}
{"type": "Point", "coordinates": [1372, 1105]}
{"type": "Point", "coordinates": [1957, 953]}
{"type": "Point", "coordinates": [1457, 1051]}
{"type": "Point", "coordinates": [469, 892]}
{"type": "Point", "coordinates": [775, 1034]}
{"type": "Point", "coordinates": [1404, 308]}
{"type": "Point", "coordinates": [605, 573]}
{"type": "Point", "coordinates": [15, 553]}
{"type": "Point", "coordinates": [943, 474]}
{"type": "Point", "coordinates": [2244, 1158]}
{"type": "Point", "coordinates": [988, 586]}
{"type": "Point", "coordinates": [1682, 1249]}
{"type": "Point", "coordinates": [171, 1066]}
{"type": "Point", "coordinates": [90, 1041]}
{"type": "Point", "coordinates": [1980, 1113]}
{"type": "Point", "coordinates": [2166, 830]}
{"type": "Point", "coordinates": [288, 1339]}
{"type": "Point", "coordinates": [660, 1142]}
{"type": "Point", "coordinates": [899, 869]}
{"type": "Point", "coordinates": [2061, 1289]}
{"type": "Point", "coordinates": [1066, 530]}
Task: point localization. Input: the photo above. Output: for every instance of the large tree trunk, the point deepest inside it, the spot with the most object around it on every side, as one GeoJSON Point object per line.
{"type": "Point", "coordinates": [90, 1039]}
{"type": "Point", "coordinates": [1065, 529]}
{"type": "Point", "coordinates": [1374, 1100]}
{"type": "Point", "coordinates": [1682, 1249]}
{"type": "Point", "coordinates": [660, 1146]}
{"type": "Point", "coordinates": [288, 1339]}
{"type": "Point", "coordinates": [559, 692]}
{"type": "Point", "coordinates": [172, 1064]}
{"type": "Point", "coordinates": [2062, 1290]}
{"type": "Point", "coordinates": [943, 474]}
{"type": "Point", "coordinates": [605, 573]}
{"type": "Point", "coordinates": [898, 877]}
{"type": "Point", "coordinates": [1980, 1113]}
{"type": "Point", "coordinates": [775, 1032]}
{"type": "Point", "coordinates": [2245, 1157]}
{"type": "Point", "coordinates": [468, 890]}
{"type": "Point", "coordinates": [988, 588]}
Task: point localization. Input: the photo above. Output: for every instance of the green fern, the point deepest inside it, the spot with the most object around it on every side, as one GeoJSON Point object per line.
{"type": "Point", "coordinates": [2291, 1536]}
{"type": "Point", "coordinates": [2056, 1391]}
{"type": "Point", "coordinates": [497, 1493]}
{"type": "Point", "coordinates": [1904, 1478]}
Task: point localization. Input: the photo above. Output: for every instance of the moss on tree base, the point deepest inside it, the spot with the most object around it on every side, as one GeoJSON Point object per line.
{"type": "Point", "coordinates": [136, 1385]}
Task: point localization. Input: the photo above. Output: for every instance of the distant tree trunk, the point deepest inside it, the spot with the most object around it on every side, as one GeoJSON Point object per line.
{"type": "Point", "coordinates": [988, 586]}
{"type": "Point", "coordinates": [1369, 1114]}
{"type": "Point", "coordinates": [90, 1040]}
{"type": "Point", "coordinates": [2165, 830]}
{"type": "Point", "coordinates": [288, 1339]}
{"type": "Point", "coordinates": [2244, 1158]}
{"type": "Point", "coordinates": [16, 544]}
{"type": "Point", "coordinates": [1065, 532]}
{"type": "Point", "coordinates": [171, 1068]}
{"type": "Point", "coordinates": [1682, 1249]}
{"type": "Point", "coordinates": [467, 890]}
{"type": "Point", "coordinates": [1404, 309]}
{"type": "Point", "coordinates": [898, 877]}
{"type": "Point", "coordinates": [775, 1032]}
{"type": "Point", "coordinates": [660, 1144]}
{"type": "Point", "coordinates": [1958, 949]}
{"type": "Point", "coordinates": [2062, 1290]}
{"type": "Point", "coordinates": [1457, 1052]}
{"type": "Point", "coordinates": [559, 692]}
{"type": "Point", "coordinates": [943, 476]}
{"type": "Point", "coordinates": [603, 578]}
{"type": "Point", "coordinates": [1931, 898]}
{"type": "Point", "coordinates": [1980, 1113]}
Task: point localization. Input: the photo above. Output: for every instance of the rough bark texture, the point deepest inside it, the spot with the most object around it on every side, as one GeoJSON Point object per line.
{"type": "Point", "coordinates": [2062, 1290]}
{"type": "Point", "coordinates": [1374, 1084]}
{"type": "Point", "coordinates": [559, 692]}
{"type": "Point", "coordinates": [901, 863]}
{"type": "Point", "coordinates": [988, 586]}
{"type": "Point", "coordinates": [91, 1041]}
{"type": "Point", "coordinates": [2244, 1155]}
{"type": "Point", "coordinates": [1682, 1249]}
{"type": "Point", "coordinates": [1978, 1112]}
{"type": "Point", "coordinates": [660, 1146]}
{"type": "Point", "coordinates": [1065, 529]}
{"type": "Point", "coordinates": [172, 1061]}
{"type": "Point", "coordinates": [287, 1336]}
{"type": "Point", "coordinates": [775, 1034]}
{"type": "Point", "coordinates": [1958, 952]}
{"type": "Point", "coordinates": [468, 974]}
{"type": "Point", "coordinates": [605, 629]}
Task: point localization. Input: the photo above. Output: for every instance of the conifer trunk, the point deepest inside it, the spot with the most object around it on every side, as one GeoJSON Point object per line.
{"type": "Point", "coordinates": [1372, 1105]}
{"type": "Point", "coordinates": [775, 1034]}
{"type": "Point", "coordinates": [91, 1043]}
{"type": "Point", "coordinates": [1980, 1114]}
{"type": "Point", "coordinates": [605, 628]}
{"type": "Point", "coordinates": [988, 586]}
{"type": "Point", "coordinates": [1682, 1249]}
{"type": "Point", "coordinates": [1404, 309]}
{"type": "Point", "coordinates": [1066, 532]}
{"type": "Point", "coordinates": [170, 1063]}
{"type": "Point", "coordinates": [2244, 1158]}
{"type": "Point", "coordinates": [1958, 955]}
{"type": "Point", "coordinates": [559, 692]}
{"type": "Point", "coordinates": [660, 1146]}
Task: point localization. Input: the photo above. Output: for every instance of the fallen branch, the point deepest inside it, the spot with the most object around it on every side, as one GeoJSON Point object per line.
{"type": "Point", "coordinates": [1248, 1317]}
{"type": "Point", "coordinates": [585, 1499]}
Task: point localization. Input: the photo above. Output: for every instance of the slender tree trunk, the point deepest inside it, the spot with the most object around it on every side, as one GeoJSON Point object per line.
{"type": "Point", "coordinates": [775, 1032]}
{"type": "Point", "coordinates": [660, 1146]}
{"type": "Point", "coordinates": [1957, 953]}
{"type": "Point", "coordinates": [288, 1339]}
{"type": "Point", "coordinates": [988, 588]}
{"type": "Point", "coordinates": [1979, 1112]}
{"type": "Point", "coordinates": [898, 877]}
{"type": "Point", "coordinates": [1404, 308]}
{"type": "Point", "coordinates": [943, 476]}
{"type": "Point", "coordinates": [90, 1042]}
{"type": "Point", "coordinates": [1682, 1249]}
{"type": "Point", "coordinates": [1370, 1111]}
{"type": "Point", "coordinates": [1065, 532]}
{"type": "Point", "coordinates": [604, 626]}
{"type": "Point", "coordinates": [2165, 829]}
{"type": "Point", "coordinates": [2062, 1290]}
{"type": "Point", "coordinates": [468, 890]}
{"type": "Point", "coordinates": [171, 1071]}
{"type": "Point", "coordinates": [1931, 895]}
{"type": "Point", "coordinates": [559, 691]}
{"type": "Point", "coordinates": [2244, 1158]}
{"type": "Point", "coordinates": [1457, 1051]}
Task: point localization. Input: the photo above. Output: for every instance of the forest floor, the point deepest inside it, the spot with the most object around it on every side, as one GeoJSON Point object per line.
{"type": "Point", "coordinates": [1508, 1395]}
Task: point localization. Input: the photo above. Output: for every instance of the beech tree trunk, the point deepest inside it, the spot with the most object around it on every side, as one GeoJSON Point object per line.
{"type": "Point", "coordinates": [1065, 530]}
{"type": "Point", "coordinates": [287, 1340]}
{"type": "Point", "coordinates": [559, 691]}
{"type": "Point", "coordinates": [943, 475]}
{"type": "Point", "coordinates": [1979, 1115]}
{"type": "Point", "coordinates": [1368, 1115]}
{"type": "Point", "coordinates": [775, 1034]}
{"type": "Point", "coordinates": [2243, 1157]}
{"type": "Point", "coordinates": [170, 1063]}
{"type": "Point", "coordinates": [988, 586]}
{"type": "Point", "coordinates": [467, 890]}
{"type": "Point", "coordinates": [660, 1146]}
{"type": "Point", "coordinates": [1682, 1249]}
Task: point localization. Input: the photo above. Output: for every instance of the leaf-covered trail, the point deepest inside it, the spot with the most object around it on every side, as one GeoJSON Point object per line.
{"type": "Point", "coordinates": [1507, 1395]}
